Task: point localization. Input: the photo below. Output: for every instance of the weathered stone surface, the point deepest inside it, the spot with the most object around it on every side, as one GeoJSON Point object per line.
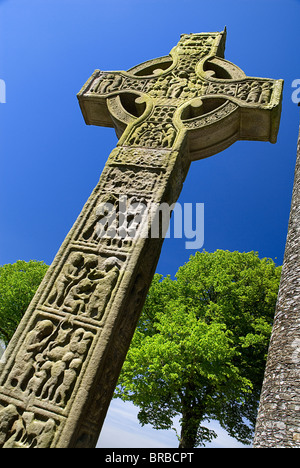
{"type": "Point", "coordinates": [278, 422]}
{"type": "Point", "coordinates": [61, 367]}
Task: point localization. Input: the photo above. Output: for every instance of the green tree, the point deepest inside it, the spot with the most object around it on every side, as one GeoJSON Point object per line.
{"type": "Point", "coordinates": [200, 347]}
{"type": "Point", "coordinates": [18, 284]}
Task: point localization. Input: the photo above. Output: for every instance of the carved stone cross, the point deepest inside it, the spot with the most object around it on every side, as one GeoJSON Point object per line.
{"type": "Point", "coordinates": [61, 367]}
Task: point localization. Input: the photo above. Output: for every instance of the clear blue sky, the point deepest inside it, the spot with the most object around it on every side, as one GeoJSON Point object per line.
{"type": "Point", "coordinates": [51, 161]}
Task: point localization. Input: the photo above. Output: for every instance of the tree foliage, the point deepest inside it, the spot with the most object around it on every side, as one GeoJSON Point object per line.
{"type": "Point", "coordinates": [200, 347]}
{"type": "Point", "coordinates": [18, 284]}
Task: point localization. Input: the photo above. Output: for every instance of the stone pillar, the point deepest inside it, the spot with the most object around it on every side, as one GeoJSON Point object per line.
{"type": "Point", "coordinates": [278, 422]}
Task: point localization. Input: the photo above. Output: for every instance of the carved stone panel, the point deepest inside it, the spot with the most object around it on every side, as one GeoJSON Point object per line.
{"type": "Point", "coordinates": [85, 285]}
{"type": "Point", "coordinates": [49, 361]}
{"type": "Point", "coordinates": [24, 429]}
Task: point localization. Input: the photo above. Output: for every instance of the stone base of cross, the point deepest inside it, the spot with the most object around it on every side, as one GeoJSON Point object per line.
{"type": "Point", "coordinates": [59, 372]}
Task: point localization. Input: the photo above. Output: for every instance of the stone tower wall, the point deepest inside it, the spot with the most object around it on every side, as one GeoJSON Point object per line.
{"type": "Point", "coordinates": [278, 422]}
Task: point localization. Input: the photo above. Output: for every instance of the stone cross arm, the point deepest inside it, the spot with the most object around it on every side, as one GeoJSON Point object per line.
{"type": "Point", "coordinates": [212, 100]}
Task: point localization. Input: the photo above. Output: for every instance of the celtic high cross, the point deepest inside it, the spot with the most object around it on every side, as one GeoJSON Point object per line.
{"type": "Point", "coordinates": [59, 372]}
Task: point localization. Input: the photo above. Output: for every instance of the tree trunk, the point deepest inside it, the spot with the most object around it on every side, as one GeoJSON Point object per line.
{"type": "Point", "coordinates": [189, 429]}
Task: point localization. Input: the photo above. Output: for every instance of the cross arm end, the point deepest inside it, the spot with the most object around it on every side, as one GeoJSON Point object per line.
{"type": "Point", "coordinates": [94, 108]}
{"type": "Point", "coordinates": [262, 122]}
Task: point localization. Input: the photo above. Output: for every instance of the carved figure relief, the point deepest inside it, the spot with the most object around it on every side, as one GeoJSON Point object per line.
{"type": "Point", "coordinates": [257, 92]}
{"type": "Point", "coordinates": [177, 85]}
{"type": "Point", "coordinates": [70, 272]}
{"type": "Point", "coordinates": [107, 83]}
{"type": "Point", "coordinates": [48, 363]}
{"type": "Point", "coordinates": [90, 296]}
{"type": "Point", "coordinates": [104, 286]}
{"type": "Point", "coordinates": [266, 92]}
{"type": "Point", "coordinates": [158, 131]}
{"type": "Point", "coordinates": [102, 220]}
{"type": "Point", "coordinates": [35, 341]}
{"type": "Point", "coordinates": [24, 429]}
{"type": "Point", "coordinates": [79, 293]}
{"type": "Point", "coordinates": [160, 87]}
